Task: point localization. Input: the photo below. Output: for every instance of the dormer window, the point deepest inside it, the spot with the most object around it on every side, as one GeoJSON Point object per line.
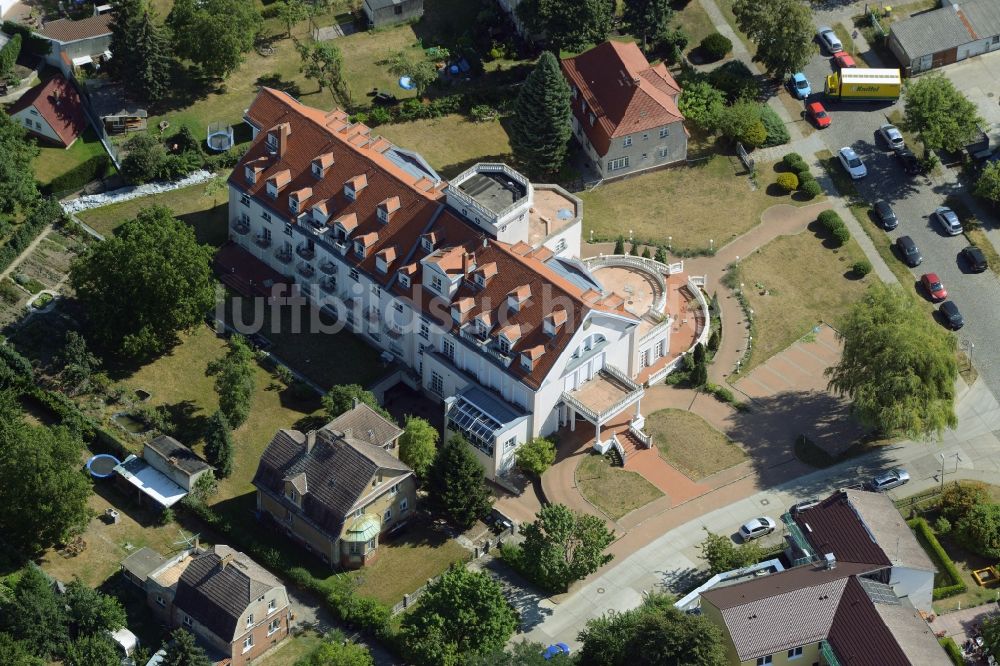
{"type": "Point", "coordinates": [427, 242]}
{"type": "Point", "coordinates": [404, 280]}
{"type": "Point", "coordinates": [482, 328]}
{"type": "Point", "coordinates": [354, 186]}
{"type": "Point", "coordinates": [359, 248]}
{"type": "Point", "coordinates": [480, 279]}
{"type": "Point", "coordinates": [384, 258]}
{"type": "Point", "coordinates": [504, 344]}
{"type": "Point", "coordinates": [517, 297]}
{"type": "Point", "coordinates": [526, 363]}
{"type": "Point", "coordinates": [278, 181]}
{"type": "Point", "coordinates": [321, 164]}
{"type": "Point", "coordinates": [293, 205]}
{"type": "Point", "coordinates": [436, 284]}
{"type": "Point", "coordinates": [552, 322]}
{"type": "Point", "coordinates": [251, 175]}
{"type": "Point", "coordinates": [272, 141]}
{"type": "Point", "coordinates": [346, 225]}
{"type": "Point", "coordinates": [387, 208]}
{"type": "Point", "coordinates": [484, 274]}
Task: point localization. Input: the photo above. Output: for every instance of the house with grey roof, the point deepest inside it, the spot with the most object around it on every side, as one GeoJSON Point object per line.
{"type": "Point", "coordinates": [959, 29]}
{"type": "Point", "coordinates": [821, 613]}
{"type": "Point", "coordinates": [337, 490]}
{"type": "Point", "coordinates": [381, 13]}
{"type": "Point", "coordinates": [865, 528]}
{"type": "Point", "coordinates": [237, 609]}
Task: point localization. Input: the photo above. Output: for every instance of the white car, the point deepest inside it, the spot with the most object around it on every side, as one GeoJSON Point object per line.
{"type": "Point", "coordinates": [829, 39]}
{"type": "Point", "coordinates": [892, 136]}
{"type": "Point", "coordinates": [852, 163]}
{"type": "Point", "coordinates": [950, 224]}
{"type": "Point", "coordinates": [756, 528]}
{"type": "Point", "coordinates": [890, 479]}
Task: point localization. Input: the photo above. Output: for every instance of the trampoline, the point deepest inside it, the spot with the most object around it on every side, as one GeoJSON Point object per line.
{"type": "Point", "coordinates": [406, 83]}
{"type": "Point", "coordinates": [102, 465]}
{"type": "Point", "coordinates": [220, 137]}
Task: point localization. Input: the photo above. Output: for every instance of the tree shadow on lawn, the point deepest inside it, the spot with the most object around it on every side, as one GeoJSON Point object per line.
{"type": "Point", "coordinates": [209, 225]}
{"type": "Point", "coordinates": [189, 425]}
{"type": "Point", "coordinates": [188, 84]}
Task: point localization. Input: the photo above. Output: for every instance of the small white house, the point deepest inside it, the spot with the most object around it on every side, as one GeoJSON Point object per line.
{"type": "Point", "coordinates": [51, 111]}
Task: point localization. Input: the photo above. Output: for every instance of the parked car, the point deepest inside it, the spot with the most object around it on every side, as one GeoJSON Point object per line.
{"type": "Point", "coordinates": [886, 215]}
{"type": "Point", "coordinates": [818, 114]}
{"type": "Point", "coordinates": [892, 136]}
{"type": "Point", "coordinates": [800, 85]}
{"type": "Point", "coordinates": [908, 249]}
{"type": "Point", "coordinates": [911, 165]}
{"type": "Point", "coordinates": [799, 507]}
{"type": "Point", "coordinates": [756, 528]}
{"type": "Point", "coordinates": [555, 649]}
{"type": "Point", "coordinates": [842, 60]}
{"type": "Point", "coordinates": [890, 479]}
{"type": "Point", "coordinates": [829, 39]}
{"type": "Point", "coordinates": [953, 319]}
{"type": "Point", "coordinates": [949, 222]}
{"type": "Point", "coordinates": [932, 285]}
{"type": "Point", "coordinates": [852, 163]}
{"type": "Point", "coordinates": [975, 259]}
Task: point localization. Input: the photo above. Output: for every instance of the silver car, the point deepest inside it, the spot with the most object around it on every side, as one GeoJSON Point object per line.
{"type": "Point", "coordinates": [829, 39]}
{"type": "Point", "coordinates": [950, 224]}
{"type": "Point", "coordinates": [890, 479]}
{"type": "Point", "coordinates": [756, 528]}
{"type": "Point", "coordinates": [892, 136]}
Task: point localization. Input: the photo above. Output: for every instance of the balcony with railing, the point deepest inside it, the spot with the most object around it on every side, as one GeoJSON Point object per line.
{"type": "Point", "coordinates": [329, 285]}
{"type": "Point", "coordinates": [241, 227]}
{"type": "Point", "coordinates": [373, 315]}
{"type": "Point", "coordinates": [284, 254]}
{"type": "Point", "coordinates": [328, 267]}
{"type": "Point", "coordinates": [607, 394]}
{"type": "Point", "coordinates": [262, 241]}
{"type": "Point", "coordinates": [828, 654]}
{"type": "Point", "coordinates": [306, 251]}
{"type": "Point", "coordinates": [485, 345]}
{"type": "Point", "coordinates": [306, 270]}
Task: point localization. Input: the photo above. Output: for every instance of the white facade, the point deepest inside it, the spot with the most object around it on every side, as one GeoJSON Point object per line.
{"type": "Point", "coordinates": [36, 124]}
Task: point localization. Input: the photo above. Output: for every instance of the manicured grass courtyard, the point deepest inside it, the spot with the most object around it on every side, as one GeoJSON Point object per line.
{"type": "Point", "coordinates": [795, 283]}
{"type": "Point", "coordinates": [613, 490]}
{"type": "Point", "coordinates": [451, 143]}
{"type": "Point", "coordinates": [53, 161]}
{"type": "Point", "coordinates": [206, 212]}
{"type": "Point", "coordinates": [690, 444]}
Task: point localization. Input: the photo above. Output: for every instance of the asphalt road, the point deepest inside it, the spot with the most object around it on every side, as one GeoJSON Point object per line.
{"type": "Point", "coordinates": [855, 124]}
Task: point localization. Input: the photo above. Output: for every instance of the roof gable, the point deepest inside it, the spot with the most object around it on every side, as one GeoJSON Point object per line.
{"type": "Point", "coordinates": [67, 30]}
{"type": "Point", "coordinates": [58, 103]}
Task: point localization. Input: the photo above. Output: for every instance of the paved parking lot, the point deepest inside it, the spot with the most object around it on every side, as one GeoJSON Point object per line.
{"type": "Point", "coordinates": [914, 199]}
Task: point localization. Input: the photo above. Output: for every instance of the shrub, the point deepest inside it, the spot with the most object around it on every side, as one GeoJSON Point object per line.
{"type": "Point", "coordinates": [790, 160]}
{"type": "Point", "coordinates": [412, 109]}
{"type": "Point", "coordinates": [811, 189]}
{"type": "Point", "coordinates": [777, 133]}
{"type": "Point", "coordinates": [942, 525]}
{"type": "Point", "coordinates": [830, 220]}
{"type": "Point", "coordinates": [954, 652]}
{"type": "Point", "coordinates": [272, 10]}
{"type": "Point", "coordinates": [736, 80]}
{"type": "Point", "coordinates": [673, 42]}
{"type": "Point", "coordinates": [789, 182]}
{"type": "Point", "coordinates": [805, 177]}
{"type": "Point", "coordinates": [30, 42]}
{"type": "Point", "coordinates": [359, 117]}
{"type": "Point", "coordinates": [841, 235]}
{"type": "Point", "coordinates": [947, 570]}
{"type": "Point", "coordinates": [9, 293]}
{"type": "Point", "coordinates": [862, 267]}
{"type": "Point", "coordinates": [802, 170]}
{"type": "Point", "coordinates": [959, 498]}
{"type": "Point", "coordinates": [379, 115]}
{"type": "Point", "coordinates": [715, 46]}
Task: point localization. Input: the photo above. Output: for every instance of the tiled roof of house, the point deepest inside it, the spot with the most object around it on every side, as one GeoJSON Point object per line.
{"type": "Point", "coordinates": [217, 587]}
{"type": "Point", "coordinates": [338, 471]}
{"type": "Point", "coordinates": [58, 103]}
{"type": "Point", "coordinates": [625, 94]}
{"type": "Point", "coordinates": [181, 456]}
{"type": "Point", "coordinates": [67, 30]}
{"type": "Point", "coordinates": [861, 526]}
{"type": "Point", "coordinates": [365, 424]}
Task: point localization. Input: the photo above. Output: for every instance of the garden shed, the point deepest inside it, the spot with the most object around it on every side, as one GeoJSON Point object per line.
{"type": "Point", "coordinates": [381, 13]}
{"type": "Point", "coordinates": [943, 36]}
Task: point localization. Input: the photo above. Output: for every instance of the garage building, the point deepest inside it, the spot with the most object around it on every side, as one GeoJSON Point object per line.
{"type": "Point", "coordinates": [943, 36]}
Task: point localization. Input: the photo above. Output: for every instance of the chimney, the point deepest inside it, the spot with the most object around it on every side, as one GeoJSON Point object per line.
{"type": "Point", "coordinates": [355, 401]}
{"type": "Point", "coordinates": [310, 441]}
{"type": "Point", "coordinates": [830, 560]}
{"type": "Point", "coordinates": [226, 559]}
{"type": "Point", "coordinates": [468, 263]}
{"type": "Point", "coordinates": [284, 131]}
{"type": "Point", "coordinates": [197, 542]}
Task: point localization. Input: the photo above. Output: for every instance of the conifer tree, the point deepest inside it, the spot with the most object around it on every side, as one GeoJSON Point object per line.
{"type": "Point", "coordinates": [455, 484]}
{"type": "Point", "coordinates": [219, 444]}
{"type": "Point", "coordinates": [540, 128]}
{"type": "Point", "coordinates": [148, 78]}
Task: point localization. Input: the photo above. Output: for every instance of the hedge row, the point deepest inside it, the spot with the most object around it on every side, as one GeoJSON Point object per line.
{"type": "Point", "coordinates": [954, 652]}
{"type": "Point", "coordinates": [948, 569]}
{"type": "Point", "coordinates": [80, 175]}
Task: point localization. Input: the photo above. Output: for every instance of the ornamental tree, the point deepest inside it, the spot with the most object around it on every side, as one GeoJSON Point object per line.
{"type": "Point", "coordinates": [418, 444]}
{"type": "Point", "coordinates": [782, 31]}
{"type": "Point", "coordinates": [540, 127]}
{"type": "Point", "coordinates": [988, 184]}
{"type": "Point", "coordinates": [219, 444]}
{"type": "Point", "coordinates": [536, 456]}
{"type": "Point", "coordinates": [235, 380]}
{"type": "Point", "coordinates": [940, 113]}
{"type": "Point", "coordinates": [562, 546]}
{"type": "Point", "coordinates": [455, 484]}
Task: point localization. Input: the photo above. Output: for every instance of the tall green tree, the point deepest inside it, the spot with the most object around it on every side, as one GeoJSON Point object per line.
{"type": "Point", "coordinates": [536, 456]}
{"type": "Point", "coordinates": [148, 78]}
{"type": "Point", "coordinates": [34, 616]}
{"type": "Point", "coordinates": [324, 63]}
{"type": "Point", "coordinates": [455, 484]}
{"type": "Point", "coordinates": [782, 31]}
{"type": "Point", "coordinates": [703, 104]}
{"type": "Point", "coordinates": [654, 634]}
{"type": "Point", "coordinates": [462, 612]}
{"type": "Point", "coordinates": [898, 366]}
{"type": "Point", "coordinates": [125, 15]}
{"type": "Point", "coordinates": [940, 113]}
{"type": "Point", "coordinates": [184, 651]}
{"type": "Point", "coordinates": [17, 178]}
{"type": "Point", "coordinates": [540, 127]}
{"type": "Point", "coordinates": [214, 34]}
{"type": "Point", "coordinates": [568, 25]}
{"type": "Point", "coordinates": [92, 650]}
{"type": "Point", "coordinates": [336, 650]}
{"type": "Point", "coordinates": [17, 653]}
{"type": "Point", "coordinates": [723, 555]}
{"type": "Point", "coordinates": [91, 612]}
{"type": "Point", "coordinates": [219, 444]}
{"type": "Point", "coordinates": [43, 494]}
{"type": "Point", "coordinates": [292, 12]}
{"type": "Point", "coordinates": [980, 530]}
{"type": "Point", "coordinates": [235, 380]}
{"type": "Point", "coordinates": [648, 18]}
{"type": "Point", "coordinates": [341, 399]}
{"type": "Point", "coordinates": [143, 286]}
{"type": "Point", "coordinates": [988, 183]}
{"type": "Point", "coordinates": [77, 361]}
{"type": "Point", "coordinates": [8, 58]}
{"type": "Point", "coordinates": [418, 444]}
{"type": "Point", "coordinates": [562, 546]}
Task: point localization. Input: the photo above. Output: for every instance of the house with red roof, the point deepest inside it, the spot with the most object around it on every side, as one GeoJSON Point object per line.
{"type": "Point", "coordinates": [52, 111]}
{"type": "Point", "coordinates": [625, 111]}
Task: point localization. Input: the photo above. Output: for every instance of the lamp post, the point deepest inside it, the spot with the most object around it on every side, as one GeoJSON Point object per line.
{"type": "Point", "coordinates": [629, 235]}
{"type": "Point", "coordinates": [711, 243]}
{"type": "Point", "coordinates": [968, 346]}
{"type": "Point", "coordinates": [942, 457]}
{"type": "Point", "coordinates": [670, 241]}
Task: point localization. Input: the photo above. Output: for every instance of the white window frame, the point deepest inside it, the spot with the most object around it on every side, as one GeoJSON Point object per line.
{"type": "Point", "coordinates": [394, 489]}
{"type": "Point", "coordinates": [188, 621]}
{"type": "Point", "coordinates": [618, 164]}
{"type": "Point", "coordinates": [437, 383]}
{"type": "Point", "coordinates": [250, 619]}
{"type": "Point", "coordinates": [448, 348]}
{"type": "Point", "coordinates": [248, 643]}
{"type": "Point", "coordinates": [664, 132]}
{"type": "Point", "coordinates": [274, 626]}
{"type": "Point", "coordinates": [272, 606]}
{"type": "Point", "coordinates": [265, 216]}
{"type": "Point", "coordinates": [387, 516]}
{"type": "Point", "coordinates": [437, 284]}
{"type": "Point", "coordinates": [245, 199]}
{"type": "Point", "coordinates": [662, 152]}
{"type": "Point", "coordinates": [354, 274]}
{"type": "Point", "coordinates": [404, 505]}
{"type": "Point", "coordinates": [795, 653]}
{"type": "Point", "coordinates": [504, 345]}
{"type": "Point", "coordinates": [425, 330]}
{"type": "Point", "coordinates": [626, 142]}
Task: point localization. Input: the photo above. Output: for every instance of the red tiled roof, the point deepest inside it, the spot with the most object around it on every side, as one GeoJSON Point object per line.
{"type": "Point", "coordinates": [68, 30]}
{"type": "Point", "coordinates": [625, 94]}
{"type": "Point", "coordinates": [58, 103]}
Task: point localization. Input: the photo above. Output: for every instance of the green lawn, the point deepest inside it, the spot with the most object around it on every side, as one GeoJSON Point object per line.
{"type": "Point", "coordinates": [613, 490]}
{"type": "Point", "coordinates": [53, 161]}
{"type": "Point", "coordinates": [695, 21]}
{"type": "Point", "coordinates": [207, 213]}
{"type": "Point", "coordinates": [690, 444]}
{"type": "Point", "coordinates": [452, 143]}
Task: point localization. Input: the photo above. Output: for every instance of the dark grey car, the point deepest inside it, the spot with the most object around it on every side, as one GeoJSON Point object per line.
{"type": "Point", "coordinates": [909, 251]}
{"type": "Point", "coordinates": [952, 317]}
{"type": "Point", "coordinates": [886, 216]}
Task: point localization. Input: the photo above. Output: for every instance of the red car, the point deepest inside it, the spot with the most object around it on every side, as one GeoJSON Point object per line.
{"type": "Point", "coordinates": [816, 113]}
{"type": "Point", "coordinates": [933, 286]}
{"type": "Point", "coordinates": [843, 61]}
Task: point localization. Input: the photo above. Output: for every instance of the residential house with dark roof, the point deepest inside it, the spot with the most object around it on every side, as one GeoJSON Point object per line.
{"type": "Point", "coordinates": [381, 13]}
{"type": "Point", "coordinates": [237, 609]}
{"type": "Point", "coordinates": [174, 460]}
{"type": "Point", "coordinates": [625, 111]}
{"type": "Point", "coordinates": [337, 491]}
{"type": "Point", "coordinates": [52, 111]}
{"type": "Point", "coordinates": [953, 32]}
{"type": "Point", "coordinates": [866, 528]}
{"type": "Point", "coordinates": [78, 43]}
{"type": "Point", "coordinates": [821, 613]}
{"type": "Point", "coordinates": [474, 285]}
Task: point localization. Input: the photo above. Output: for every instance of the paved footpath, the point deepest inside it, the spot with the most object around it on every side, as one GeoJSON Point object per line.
{"type": "Point", "coordinates": [662, 553]}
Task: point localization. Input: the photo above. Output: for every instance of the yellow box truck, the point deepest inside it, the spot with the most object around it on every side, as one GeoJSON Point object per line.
{"type": "Point", "coordinates": [864, 84]}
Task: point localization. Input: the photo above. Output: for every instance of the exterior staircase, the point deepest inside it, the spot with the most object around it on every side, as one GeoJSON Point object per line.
{"type": "Point", "coordinates": [630, 444]}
